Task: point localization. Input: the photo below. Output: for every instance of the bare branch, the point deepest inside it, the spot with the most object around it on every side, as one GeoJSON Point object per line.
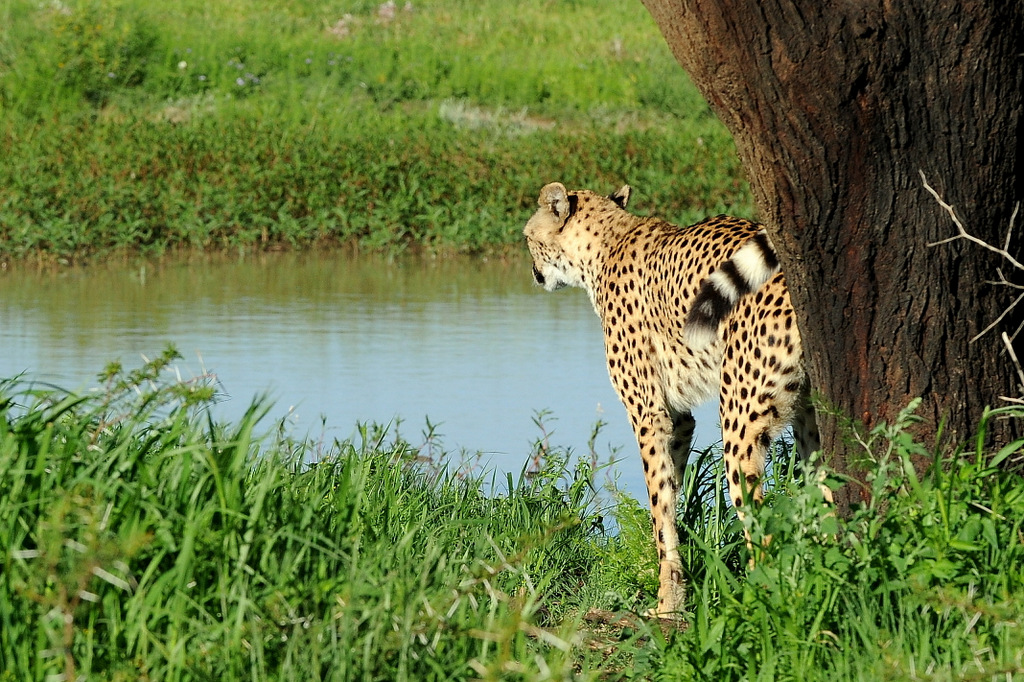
{"type": "Point", "coordinates": [1006, 283]}
{"type": "Point", "coordinates": [1009, 230]}
{"type": "Point", "coordinates": [1004, 252]}
{"type": "Point", "coordinates": [1016, 363]}
{"type": "Point", "coordinates": [987, 329]}
{"type": "Point", "coordinates": [964, 234]}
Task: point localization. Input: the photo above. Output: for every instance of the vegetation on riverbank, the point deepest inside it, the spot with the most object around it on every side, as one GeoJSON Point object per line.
{"type": "Point", "coordinates": [136, 126]}
{"type": "Point", "coordinates": [143, 541]}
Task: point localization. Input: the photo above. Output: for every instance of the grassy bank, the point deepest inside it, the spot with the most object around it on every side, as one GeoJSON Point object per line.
{"type": "Point", "coordinates": [129, 125]}
{"type": "Point", "coordinates": [142, 541]}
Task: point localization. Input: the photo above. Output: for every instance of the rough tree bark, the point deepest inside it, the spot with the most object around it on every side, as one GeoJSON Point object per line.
{"type": "Point", "coordinates": [835, 108]}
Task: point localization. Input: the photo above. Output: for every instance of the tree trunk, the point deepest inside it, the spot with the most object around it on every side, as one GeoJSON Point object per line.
{"type": "Point", "coordinates": [836, 108]}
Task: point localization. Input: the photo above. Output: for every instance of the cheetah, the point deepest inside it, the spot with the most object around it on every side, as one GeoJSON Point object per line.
{"type": "Point", "coordinates": [685, 311]}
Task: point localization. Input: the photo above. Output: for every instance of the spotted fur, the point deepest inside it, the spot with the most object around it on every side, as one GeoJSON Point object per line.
{"type": "Point", "coordinates": [647, 280]}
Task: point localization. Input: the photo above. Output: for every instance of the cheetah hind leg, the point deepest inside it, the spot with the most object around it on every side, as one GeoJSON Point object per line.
{"type": "Point", "coordinates": [671, 586]}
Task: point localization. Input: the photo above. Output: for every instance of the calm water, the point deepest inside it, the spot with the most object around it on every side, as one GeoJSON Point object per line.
{"type": "Point", "coordinates": [336, 339]}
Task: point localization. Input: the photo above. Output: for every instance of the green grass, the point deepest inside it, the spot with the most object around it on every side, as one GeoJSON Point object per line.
{"type": "Point", "coordinates": [144, 541]}
{"type": "Point", "coordinates": [133, 126]}
{"type": "Point", "coordinates": [924, 581]}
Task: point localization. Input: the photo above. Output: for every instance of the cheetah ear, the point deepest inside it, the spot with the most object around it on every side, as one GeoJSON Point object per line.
{"type": "Point", "coordinates": [555, 198]}
{"type": "Point", "coordinates": [621, 196]}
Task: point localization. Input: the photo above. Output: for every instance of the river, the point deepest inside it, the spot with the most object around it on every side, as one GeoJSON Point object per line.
{"type": "Point", "coordinates": [336, 339]}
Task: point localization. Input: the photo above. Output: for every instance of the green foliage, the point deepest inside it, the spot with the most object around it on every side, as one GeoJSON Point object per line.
{"type": "Point", "coordinates": [925, 579]}
{"type": "Point", "coordinates": [102, 47]}
{"type": "Point", "coordinates": [131, 126]}
{"type": "Point", "coordinates": [144, 541]}
{"type": "Point", "coordinates": [85, 51]}
{"type": "Point", "coordinates": [168, 187]}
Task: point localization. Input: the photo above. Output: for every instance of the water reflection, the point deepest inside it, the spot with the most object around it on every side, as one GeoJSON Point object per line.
{"type": "Point", "coordinates": [340, 339]}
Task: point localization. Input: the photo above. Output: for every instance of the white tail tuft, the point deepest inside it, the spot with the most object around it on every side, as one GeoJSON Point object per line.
{"type": "Point", "coordinates": [746, 271]}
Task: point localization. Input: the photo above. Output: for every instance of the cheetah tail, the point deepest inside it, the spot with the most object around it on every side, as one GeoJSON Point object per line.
{"type": "Point", "coordinates": [749, 268]}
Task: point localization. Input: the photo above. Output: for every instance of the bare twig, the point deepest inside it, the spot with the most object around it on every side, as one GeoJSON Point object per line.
{"type": "Point", "coordinates": [997, 320]}
{"type": "Point", "coordinates": [964, 234]}
{"type": "Point", "coordinates": [1016, 363]}
{"type": "Point", "coordinates": [1004, 252]}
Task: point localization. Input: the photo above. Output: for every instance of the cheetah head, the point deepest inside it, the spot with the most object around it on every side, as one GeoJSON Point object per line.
{"type": "Point", "coordinates": [553, 237]}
